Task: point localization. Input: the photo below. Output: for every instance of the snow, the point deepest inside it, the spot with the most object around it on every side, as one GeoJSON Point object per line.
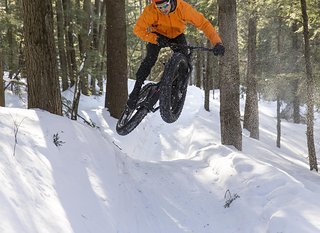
{"type": "Point", "coordinates": [161, 178]}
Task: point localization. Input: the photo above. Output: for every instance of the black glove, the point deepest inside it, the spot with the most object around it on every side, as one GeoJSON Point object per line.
{"type": "Point", "coordinates": [218, 49]}
{"type": "Point", "coordinates": [162, 41]}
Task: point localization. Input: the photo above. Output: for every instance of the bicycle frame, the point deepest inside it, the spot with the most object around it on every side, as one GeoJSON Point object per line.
{"type": "Point", "coordinates": [149, 97]}
{"type": "Point", "coordinates": [153, 89]}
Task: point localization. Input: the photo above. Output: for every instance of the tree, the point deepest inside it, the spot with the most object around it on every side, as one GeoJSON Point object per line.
{"type": "Point", "coordinates": [61, 45]}
{"type": "Point", "coordinates": [278, 88]}
{"type": "Point", "coordinates": [231, 132]}
{"type": "Point", "coordinates": [310, 90]}
{"type": "Point", "coordinates": [208, 79]}
{"type": "Point", "coordinates": [81, 79]}
{"type": "Point", "coordinates": [117, 89]}
{"type": "Point", "coordinates": [251, 113]}
{"type": "Point", "coordinates": [295, 81]}
{"type": "Point", "coordinates": [98, 12]}
{"type": "Point", "coordinates": [84, 20]}
{"type": "Point", "coordinates": [10, 37]}
{"type": "Point", "coordinates": [41, 70]}
{"type": "Point", "coordinates": [71, 53]}
{"type": "Point", "coordinates": [2, 96]}
{"type": "Point", "coordinates": [199, 69]}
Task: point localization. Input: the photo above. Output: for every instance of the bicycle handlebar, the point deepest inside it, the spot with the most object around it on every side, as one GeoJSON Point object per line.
{"type": "Point", "coordinates": [191, 47]}
{"type": "Point", "coordinates": [200, 48]}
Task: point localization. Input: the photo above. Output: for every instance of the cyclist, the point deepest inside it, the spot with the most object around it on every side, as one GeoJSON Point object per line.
{"type": "Point", "coordinates": [163, 22]}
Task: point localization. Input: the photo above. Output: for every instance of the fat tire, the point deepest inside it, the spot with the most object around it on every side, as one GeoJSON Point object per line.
{"type": "Point", "coordinates": [169, 110]}
{"type": "Point", "coordinates": [132, 123]}
{"type": "Point", "coordinates": [129, 118]}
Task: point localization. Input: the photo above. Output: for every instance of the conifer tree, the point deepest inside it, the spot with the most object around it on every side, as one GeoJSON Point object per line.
{"type": "Point", "coordinates": [41, 69]}
{"type": "Point", "coordinates": [310, 90]}
{"type": "Point", "coordinates": [116, 91]}
{"type": "Point", "coordinates": [231, 132]}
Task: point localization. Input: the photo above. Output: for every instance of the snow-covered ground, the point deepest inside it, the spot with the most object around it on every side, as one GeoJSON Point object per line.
{"type": "Point", "coordinates": [161, 178]}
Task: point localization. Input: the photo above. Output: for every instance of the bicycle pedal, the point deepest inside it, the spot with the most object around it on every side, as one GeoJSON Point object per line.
{"type": "Point", "coordinates": [155, 109]}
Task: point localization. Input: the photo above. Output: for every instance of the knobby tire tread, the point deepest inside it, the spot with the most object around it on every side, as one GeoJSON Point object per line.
{"type": "Point", "coordinates": [166, 112]}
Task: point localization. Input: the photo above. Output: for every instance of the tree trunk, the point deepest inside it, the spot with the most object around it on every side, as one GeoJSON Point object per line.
{"type": "Point", "coordinates": [41, 69]}
{"type": "Point", "coordinates": [208, 79]}
{"type": "Point", "coordinates": [102, 64]}
{"type": "Point", "coordinates": [61, 46]}
{"type": "Point", "coordinates": [71, 53]}
{"type": "Point", "coordinates": [296, 101]}
{"type": "Point", "coordinates": [310, 90]}
{"type": "Point", "coordinates": [95, 45]}
{"type": "Point", "coordinates": [278, 121]}
{"type": "Point", "coordinates": [10, 42]}
{"type": "Point", "coordinates": [2, 95]}
{"type": "Point", "coordinates": [231, 132]}
{"type": "Point", "coordinates": [295, 82]}
{"type": "Point", "coordinates": [198, 69]}
{"type": "Point", "coordinates": [251, 113]}
{"type": "Point", "coordinates": [278, 142]}
{"type": "Point", "coordinates": [102, 49]}
{"type": "Point", "coordinates": [117, 81]}
{"type": "Point", "coordinates": [84, 44]}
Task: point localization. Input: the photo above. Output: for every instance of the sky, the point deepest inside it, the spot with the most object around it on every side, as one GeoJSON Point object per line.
{"type": "Point", "coordinates": [63, 176]}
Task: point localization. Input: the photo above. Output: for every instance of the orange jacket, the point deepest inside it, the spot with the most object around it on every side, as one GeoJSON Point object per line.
{"type": "Point", "coordinates": [152, 21]}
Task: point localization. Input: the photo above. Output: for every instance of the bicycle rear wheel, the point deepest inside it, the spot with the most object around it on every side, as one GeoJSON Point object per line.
{"type": "Point", "coordinates": [130, 119]}
{"type": "Point", "coordinates": [173, 87]}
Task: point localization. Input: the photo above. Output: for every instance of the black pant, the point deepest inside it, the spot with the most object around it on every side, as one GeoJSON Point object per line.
{"type": "Point", "coordinates": [152, 56]}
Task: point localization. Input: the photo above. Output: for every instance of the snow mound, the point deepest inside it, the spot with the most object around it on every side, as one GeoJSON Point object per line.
{"type": "Point", "coordinates": [58, 175]}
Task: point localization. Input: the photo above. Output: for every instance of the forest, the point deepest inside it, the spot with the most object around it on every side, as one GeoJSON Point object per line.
{"type": "Point", "coordinates": [272, 53]}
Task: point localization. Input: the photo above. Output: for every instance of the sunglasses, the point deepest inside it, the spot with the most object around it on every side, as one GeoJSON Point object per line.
{"type": "Point", "coordinates": [164, 5]}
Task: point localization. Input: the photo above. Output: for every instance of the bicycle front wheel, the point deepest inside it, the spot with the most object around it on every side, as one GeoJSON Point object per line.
{"type": "Point", "coordinates": [173, 87]}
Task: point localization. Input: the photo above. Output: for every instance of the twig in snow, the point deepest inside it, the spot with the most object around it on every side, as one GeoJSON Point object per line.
{"type": "Point", "coordinates": [90, 122]}
{"type": "Point", "coordinates": [15, 133]}
{"type": "Point", "coordinates": [229, 198]}
{"type": "Point", "coordinates": [57, 141]}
